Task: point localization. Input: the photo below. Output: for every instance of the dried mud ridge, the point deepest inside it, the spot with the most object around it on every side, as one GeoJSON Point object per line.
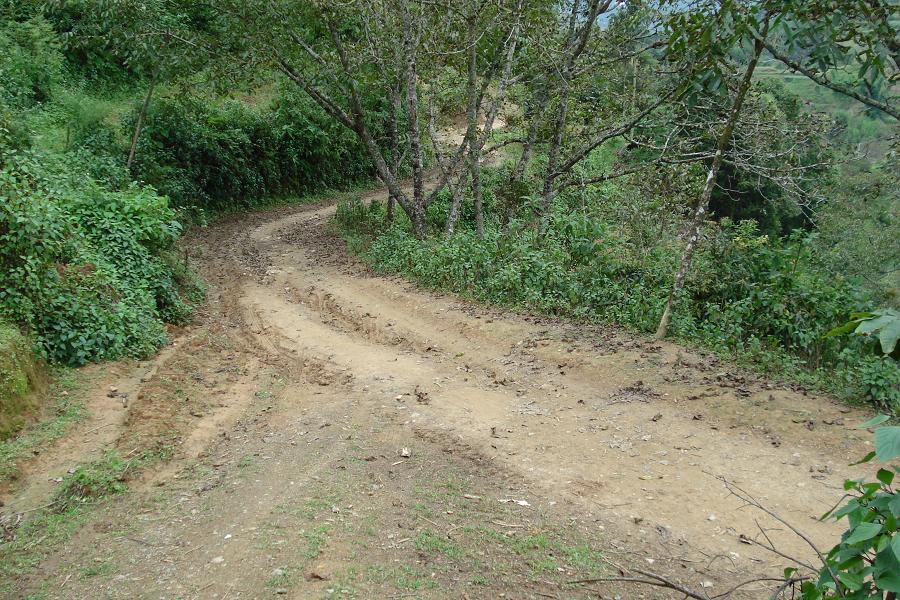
{"type": "Point", "coordinates": [341, 434]}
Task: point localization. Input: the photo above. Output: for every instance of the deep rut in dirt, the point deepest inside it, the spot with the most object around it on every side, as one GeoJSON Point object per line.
{"type": "Point", "coordinates": [614, 444]}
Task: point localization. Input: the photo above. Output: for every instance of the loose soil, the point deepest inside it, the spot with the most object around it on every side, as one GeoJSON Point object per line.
{"type": "Point", "coordinates": [338, 434]}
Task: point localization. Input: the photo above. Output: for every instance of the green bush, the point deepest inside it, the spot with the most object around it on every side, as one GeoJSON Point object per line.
{"type": "Point", "coordinates": [86, 269]}
{"type": "Point", "coordinates": [32, 62]}
{"type": "Point", "coordinates": [865, 564]}
{"type": "Point", "coordinates": [217, 157]}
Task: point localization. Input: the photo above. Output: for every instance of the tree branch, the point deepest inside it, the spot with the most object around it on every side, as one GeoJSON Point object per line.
{"type": "Point", "coordinates": [822, 80]}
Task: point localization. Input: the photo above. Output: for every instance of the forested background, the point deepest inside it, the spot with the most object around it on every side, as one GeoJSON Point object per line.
{"type": "Point", "coordinates": [720, 172]}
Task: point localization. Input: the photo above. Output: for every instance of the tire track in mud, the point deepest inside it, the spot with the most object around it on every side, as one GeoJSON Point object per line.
{"type": "Point", "coordinates": [537, 398]}
{"type": "Point", "coordinates": [619, 434]}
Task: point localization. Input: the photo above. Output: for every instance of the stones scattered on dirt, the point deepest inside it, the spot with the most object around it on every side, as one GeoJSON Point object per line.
{"type": "Point", "coordinates": [514, 501]}
{"type": "Point", "coordinates": [422, 396]}
{"type": "Point", "coordinates": [635, 392]}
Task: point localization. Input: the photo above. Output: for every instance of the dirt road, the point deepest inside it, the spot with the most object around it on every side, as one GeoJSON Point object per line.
{"type": "Point", "coordinates": [340, 434]}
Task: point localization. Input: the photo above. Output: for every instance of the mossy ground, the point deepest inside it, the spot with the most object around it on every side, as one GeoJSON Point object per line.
{"type": "Point", "coordinates": [22, 379]}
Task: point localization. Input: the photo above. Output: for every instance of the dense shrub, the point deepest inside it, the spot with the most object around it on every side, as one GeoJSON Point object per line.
{"type": "Point", "coordinates": [86, 269]}
{"type": "Point", "coordinates": [214, 157]}
{"type": "Point", "coordinates": [31, 63]}
{"type": "Point", "coordinates": [86, 261]}
{"type": "Point", "coordinates": [773, 304]}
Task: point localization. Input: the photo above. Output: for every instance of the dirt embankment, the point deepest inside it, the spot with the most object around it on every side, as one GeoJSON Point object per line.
{"type": "Point", "coordinates": [23, 380]}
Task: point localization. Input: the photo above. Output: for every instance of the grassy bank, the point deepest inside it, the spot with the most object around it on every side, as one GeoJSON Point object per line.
{"type": "Point", "coordinates": [22, 381]}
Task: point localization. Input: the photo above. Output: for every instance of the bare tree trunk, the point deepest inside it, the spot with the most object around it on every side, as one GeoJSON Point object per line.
{"type": "Point", "coordinates": [410, 41]}
{"type": "Point", "coordinates": [528, 149]}
{"type": "Point", "coordinates": [518, 173]}
{"type": "Point", "coordinates": [477, 144]}
{"type": "Point", "coordinates": [575, 46]}
{"type": "Point", "coordinates": [559, 131]}
{"type": "Point", "coordinates": [702, 207]}
{"type": "Point", "coordinates": [472, 110]}
{"type": "Point", "coordinates": [140, 123]}
{"type": "Point", "coordinates": [455, 205]}
{"type": "Point", "coordinates": [354, 120]}
{"type": "Point", "coordinates": [456, 190]}
{"type": "Point", "coordinates": [394, 135]}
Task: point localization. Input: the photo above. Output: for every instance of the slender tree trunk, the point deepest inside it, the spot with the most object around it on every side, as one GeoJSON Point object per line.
{"type": "Point", "coordinates": [559, 131]}
{"type": "Point", "coordinates": [355, 121]}
{"type": "Point", "coordinates": [455, 205]}
{"type": "Point", "coordinates": [394, 135]}
{"type": "Point", "coordinates": [528, 149]}
{"type": "Point", "coordinates": [477, 144]}
{"type": "Point", "coordinates": [477, 197]}
{"type": "Point", "coordinates": [456, 190]}
{"type": "Point", "coordinates": [702, 206]}
{"type": "Point", "coordinates": [472, 110]}
{"type": "Point", "coordinates": [575, 45]}
{"type": "Point", "coordinates": [410, 41]}
{"type": "Point", "coordinates": [518, 173]}
{"type": "Point", "coordinates": [140, 123]}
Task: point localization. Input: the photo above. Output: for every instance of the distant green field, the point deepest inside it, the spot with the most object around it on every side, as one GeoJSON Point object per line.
{"type": "Point", "coordinates": [862, 127]}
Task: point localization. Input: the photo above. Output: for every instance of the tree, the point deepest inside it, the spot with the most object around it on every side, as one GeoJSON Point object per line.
{"type": "Point", "coordinates": [340, 58]}
{"type": "Point", "coordinates": [728, 25]}
{"type": "Point", "coordinates": [151, 40]}
{"type": "Point", "coordinates": [854, 51]}
{"type": "Point", "coordinates": [581, 96]}
{"type": "Point", "coordinates": [710, 33]}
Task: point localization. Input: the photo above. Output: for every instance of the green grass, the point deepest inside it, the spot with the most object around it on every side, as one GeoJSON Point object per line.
{"type": "Point", "coordinates": [33, 541]}
{"type": "Point", "coordinates": [430, 542]}
{"type": "Point", "coordinates": [81, 492]}
{"type": "Point", "coordinates": [316, 539]}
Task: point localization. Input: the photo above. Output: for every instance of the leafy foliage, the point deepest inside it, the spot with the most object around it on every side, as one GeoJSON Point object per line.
{"type": "Point", "coordinates": [32, 62]}
{"type": "Point", "coordinates": [87, 255]}
{"type": "Point", "coordinates": [883, 325]}
{"type": "Point", "coordinates": [214, 157]}
{"type": "Point", "coordinates": [866, 562]}
{"type": "Point", "coordinates": [88, 270]}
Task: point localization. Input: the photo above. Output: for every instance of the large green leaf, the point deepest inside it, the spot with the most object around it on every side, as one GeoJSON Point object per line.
{"type": "Point", "coordinates": [877, 420]}
{"type": "Point", "coordinates": [863, 532]}
{"type": "Point", "coordinates": [851, 580]}
{"type": "Point", "coordinates": [888, 582]}
{"type": "Point", "coordinates": [889, 336]}
{"type": "Point", "coordinates": [887, 443]}
{"type": "Point", "coordinates": [871, 325]}
{"type": "Point", "coordinates": [894, 505]}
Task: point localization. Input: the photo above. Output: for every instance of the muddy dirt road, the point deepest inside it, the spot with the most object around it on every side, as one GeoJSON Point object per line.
{"type": "Point", "coordinates": [340, 434]}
